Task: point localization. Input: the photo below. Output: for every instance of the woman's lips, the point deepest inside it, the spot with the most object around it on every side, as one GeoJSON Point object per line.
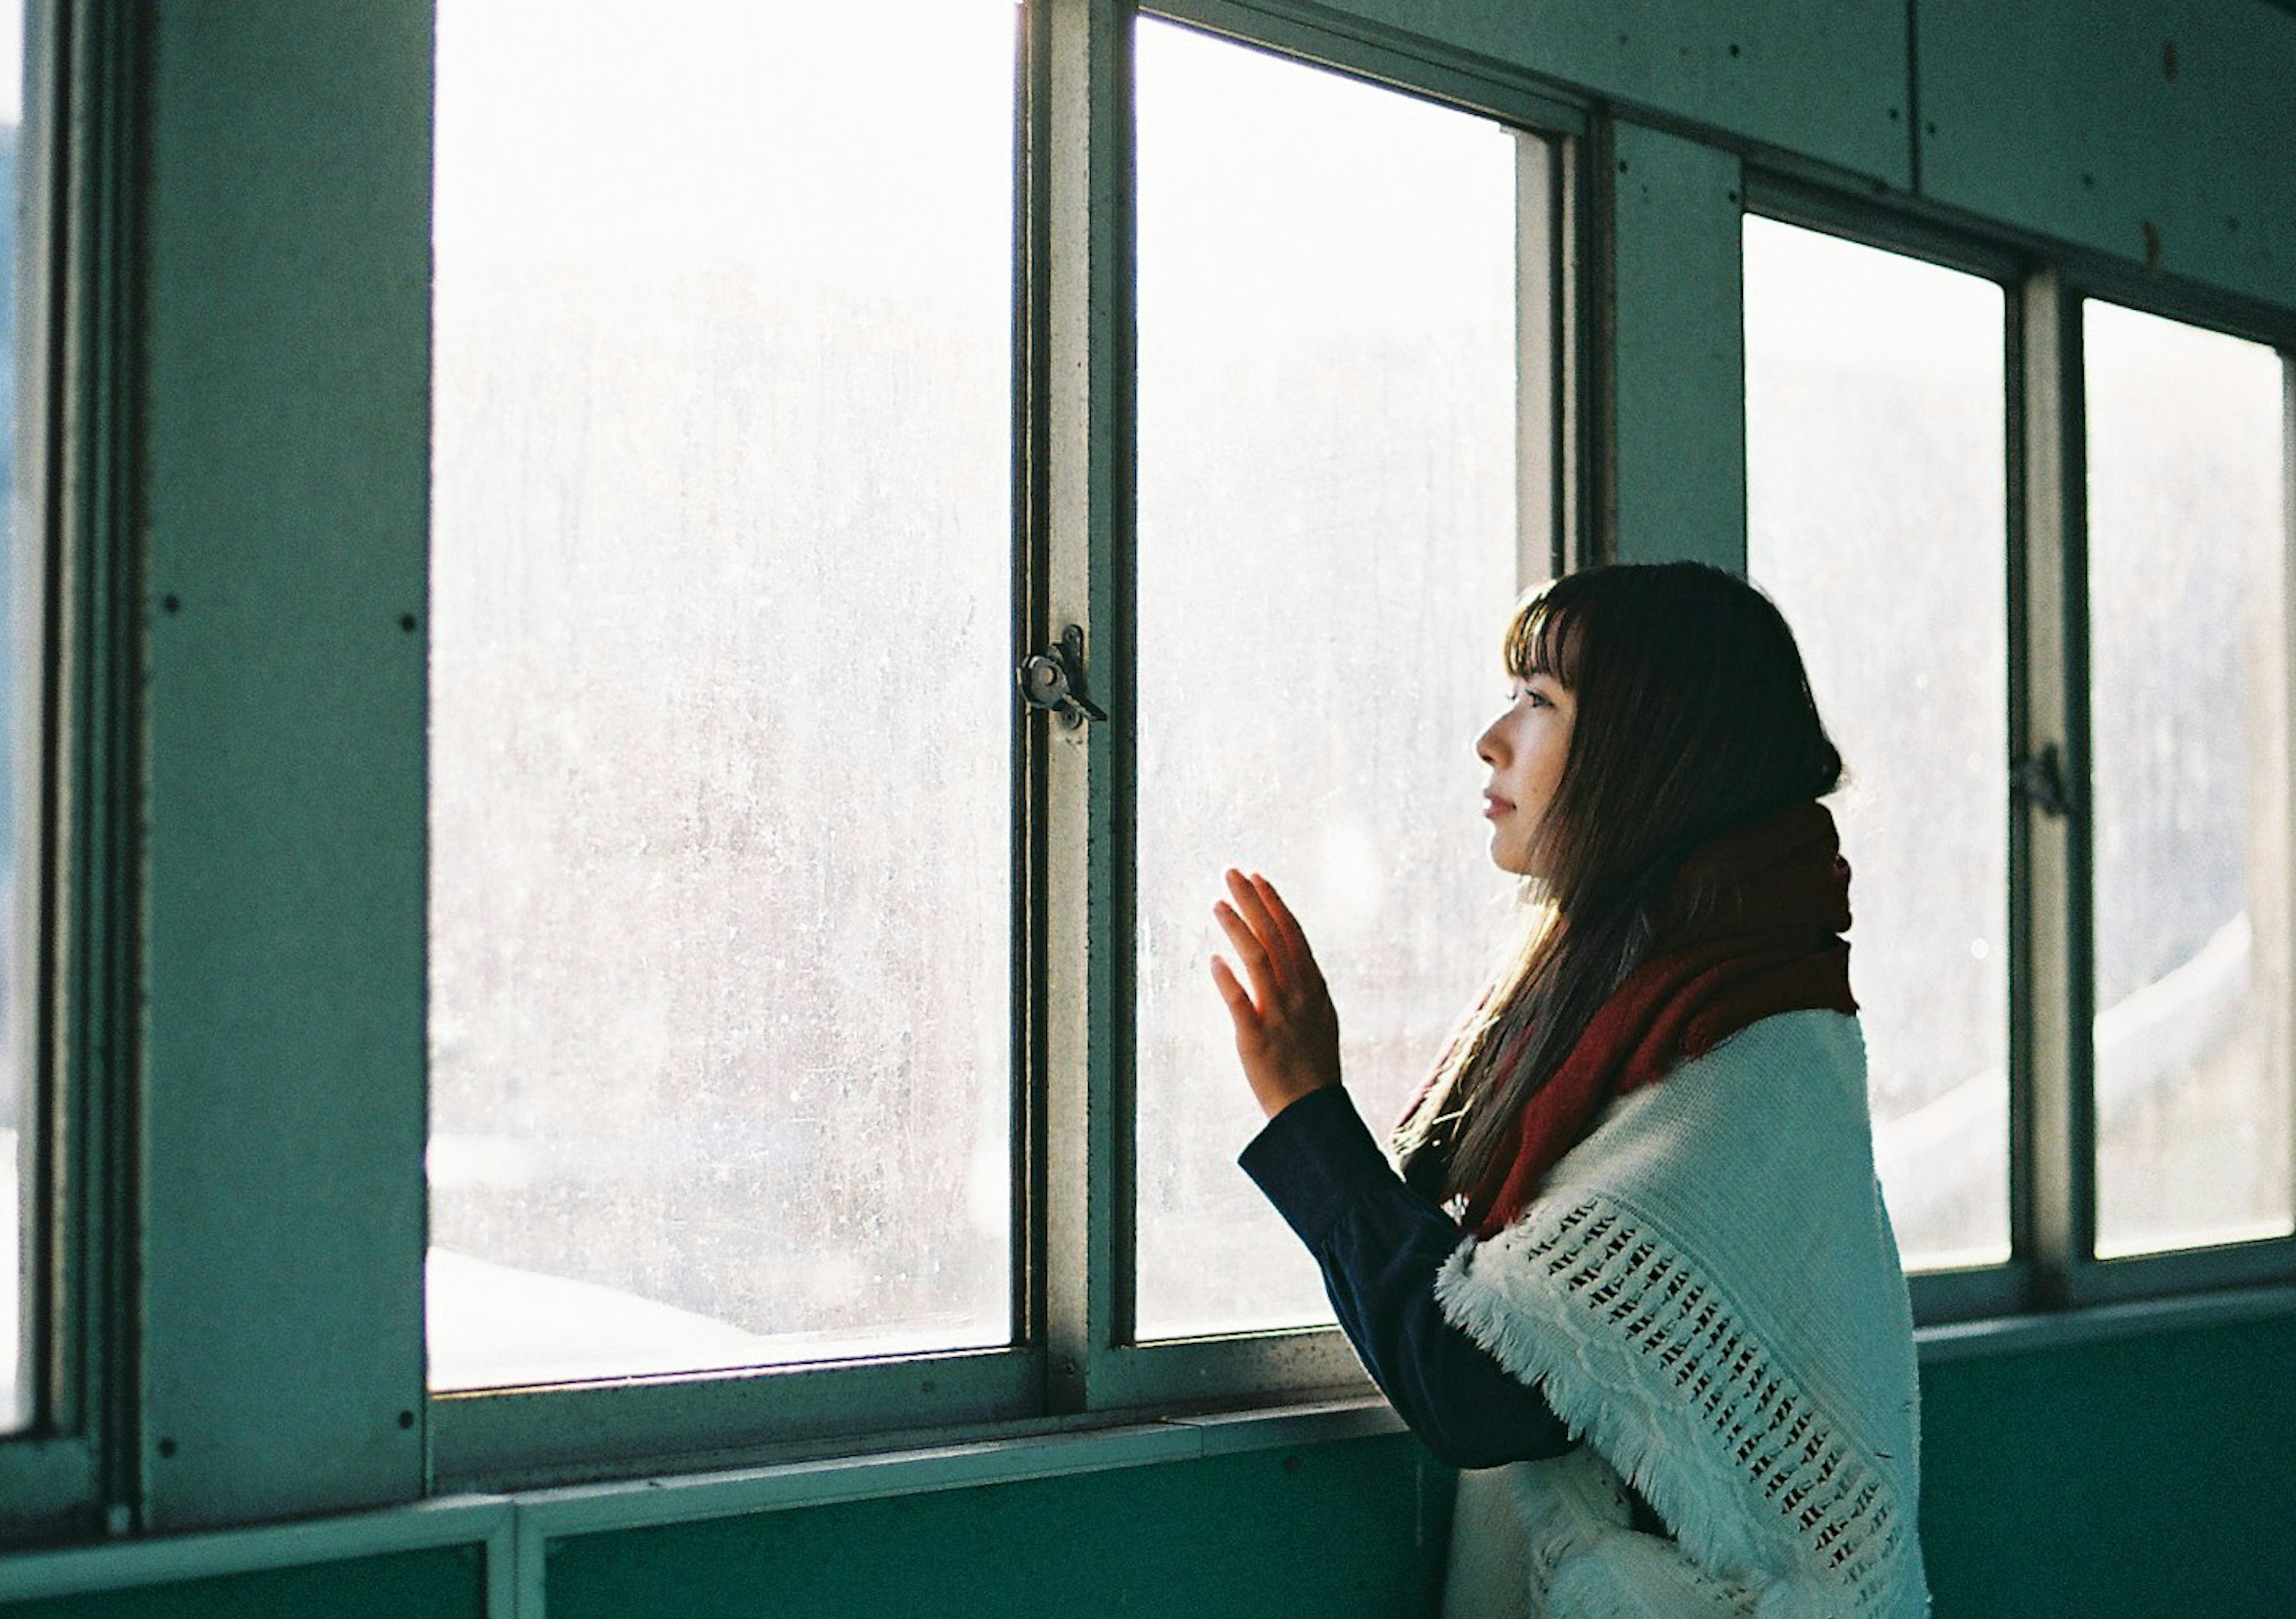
{"type": "Point", "coordinates": [1495, 806]}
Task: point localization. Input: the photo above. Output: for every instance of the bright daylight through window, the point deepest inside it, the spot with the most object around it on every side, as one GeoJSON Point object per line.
{"type": "Point", "coordinates": [1876, 520]}
{"type": "Point", "coordinates": [1328, 523]}
{"type": "Point", "coordinates": [722, 713]}
{"type": "Point", "coordinates": [2188, 538]}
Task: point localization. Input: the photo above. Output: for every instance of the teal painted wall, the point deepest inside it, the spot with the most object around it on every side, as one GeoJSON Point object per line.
{"type": "Point", "coordinates": [2152, 1475]}
{"type": "Point", "coordinates": [446, 1582]}
{"type": "Point", "coordinates": [1354, 1530]}
{"type": "Point", "coordinates": [2158, 131]}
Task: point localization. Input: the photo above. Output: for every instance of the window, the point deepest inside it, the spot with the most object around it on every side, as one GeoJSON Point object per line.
{"type": "Point", "coordinates": [774, 1020]}
{"type": "Point", "coordinates": [722, 710]}
{"type": "Point", "coordinates": [2066, 724]}
{"type": "Point", "coordinates": [1328, 291]}
{"type": "Point", "coordinates": [1876, 519]}
{"type": "Point", "coordinates": [2189, 625]}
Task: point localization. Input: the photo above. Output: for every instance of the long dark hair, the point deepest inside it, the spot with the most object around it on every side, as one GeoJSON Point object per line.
{"type": "Point", "coordinates": [1693, 716]}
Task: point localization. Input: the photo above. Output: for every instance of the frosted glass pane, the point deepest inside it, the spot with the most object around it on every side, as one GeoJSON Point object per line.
{"type": "Point", "coordinates": [1875, 519]}
{"type": "Point", "coordinates": [722, 706]}
{"type": "Point", "coordinates": [19, 675]}
{"type": "Point", "coordinates": [2188, 699]}
{"type": "Point", "coordinates": [1327, 548]}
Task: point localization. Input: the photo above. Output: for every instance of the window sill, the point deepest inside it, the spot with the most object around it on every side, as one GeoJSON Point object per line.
{"type": "Point", "coordinates": [577, 1508]}
{"type": "Point", "coordinates": [583, 1508]}
{"type": "Point", "coordinates": [556, 1513]}
{"type": "Point", "coordinates": [2099, 1323]}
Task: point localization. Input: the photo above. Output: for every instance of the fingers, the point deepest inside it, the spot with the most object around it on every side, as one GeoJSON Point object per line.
{"type": "Point", "coordinates": [1282, 945]}
{"type": "Point", "coordinates": [1239, 1003]}
{"type": "Point", "coordinates": [1286, 1030]}
{"type": "Point", "coordinates": [1278, 932]}
{"type": "Point", "coordinates": [1251, 951]}
{"type": "Point", "coordinates": [1301, 959]}
{"type": "Point", "coordinates": [1254, 907]}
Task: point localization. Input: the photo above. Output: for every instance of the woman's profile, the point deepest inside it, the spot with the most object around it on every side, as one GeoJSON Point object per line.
{"type": "Point", "coordinates": [1635, 1262]}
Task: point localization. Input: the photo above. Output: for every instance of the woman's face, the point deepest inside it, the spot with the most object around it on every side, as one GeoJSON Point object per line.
{"type": "Point", "coordinates": [1525, 748]}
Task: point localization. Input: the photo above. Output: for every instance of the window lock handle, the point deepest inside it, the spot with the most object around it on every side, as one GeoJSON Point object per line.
{"type": "Point", "coordinates": [1053, 680]}
{"type": "Point", "coordinates": [2040, 779]}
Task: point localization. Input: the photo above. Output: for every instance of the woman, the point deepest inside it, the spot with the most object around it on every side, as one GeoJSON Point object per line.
{"type": "Point", "coordinates": [1635, 1259]}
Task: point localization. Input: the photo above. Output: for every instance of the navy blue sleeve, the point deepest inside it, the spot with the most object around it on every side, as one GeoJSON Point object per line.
{"type": "Point", "coordinates": [1380, 1245]}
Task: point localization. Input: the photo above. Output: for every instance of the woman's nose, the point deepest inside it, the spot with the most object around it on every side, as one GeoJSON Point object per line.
{"type": "Point", "coordinates": [1488, 745]}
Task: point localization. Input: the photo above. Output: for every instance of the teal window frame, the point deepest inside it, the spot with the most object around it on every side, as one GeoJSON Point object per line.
{"type": "Point", "coordinates": [2058, 1120]}
{"type": "Point", "coordinates": [2053, 1264]}
{"type": "Point", "coordinates": [1073, 1359]}
{"type": "Point", "coordinates": [58, 1472]}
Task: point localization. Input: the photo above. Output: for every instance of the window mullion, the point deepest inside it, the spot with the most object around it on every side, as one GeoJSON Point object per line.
{"type": "Point", "coordinates": [1085, 170]}
{"type": "Point", "coordinates": [73, 926]}
{"type": "Point", "coordinates": [1542, 489]}
{"type": "Point", "coordinates": [2054, 1120]}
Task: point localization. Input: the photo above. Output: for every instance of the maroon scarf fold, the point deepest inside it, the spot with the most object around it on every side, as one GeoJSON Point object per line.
{"type": "Point", "coordinates": [1767, 940]}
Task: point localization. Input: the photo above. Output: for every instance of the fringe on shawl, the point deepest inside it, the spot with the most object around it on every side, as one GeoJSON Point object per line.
{"type": "Point", "coordinates": [1606, 1319]}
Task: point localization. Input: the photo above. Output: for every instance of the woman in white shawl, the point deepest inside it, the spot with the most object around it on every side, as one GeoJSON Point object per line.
{"type": "Point", "coordinates": [1636, 1263]}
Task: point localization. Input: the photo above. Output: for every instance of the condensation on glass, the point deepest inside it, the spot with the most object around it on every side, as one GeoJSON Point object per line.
{"type": "Point", "coordinates": [1328, 545]}
{"type": "Point", "coordinates": [2189, 529]}
{"type": "Point", "coordinates": [1876, 521]}
{"type": "Point", "coordinates": [20, 662]}
{"type": "Point", "coordinates": [721, 700]}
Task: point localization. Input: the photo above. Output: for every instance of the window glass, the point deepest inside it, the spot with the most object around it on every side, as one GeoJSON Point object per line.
{"type": "Point", "coordinates": [1876, 521]}
{"type": "Point", "coordinates": [2188, 534]}
{"type": "Point", "coordinates": [722, 704]}
{"type": "Point", "coordinates": [1328, 546]}
{"type": "Point", "coordinates": [19, 785]}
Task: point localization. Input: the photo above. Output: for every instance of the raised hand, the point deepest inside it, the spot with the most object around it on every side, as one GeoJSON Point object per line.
{"type": "Point", "coordinates": [1287, 1033]}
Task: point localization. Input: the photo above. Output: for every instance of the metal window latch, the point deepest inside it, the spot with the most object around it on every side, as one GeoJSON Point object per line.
{"type": "Point", "coordinates": [2040, 779]}
{"type": "Point", "coordinates": [1053, 680]}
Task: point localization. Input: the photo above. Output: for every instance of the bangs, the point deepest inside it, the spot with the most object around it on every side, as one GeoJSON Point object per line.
{"type": "Point", "coordinates": [1545, 637]}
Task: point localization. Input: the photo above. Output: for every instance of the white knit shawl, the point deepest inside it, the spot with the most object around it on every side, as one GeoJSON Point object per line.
{"type": "Point", "coordinates": [1708, 1292]}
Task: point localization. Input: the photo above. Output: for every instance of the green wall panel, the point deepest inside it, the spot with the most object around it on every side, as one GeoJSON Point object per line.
{"type": "Point", "coordinates": [1746, 69]}
{"type": "Point", "coordinates": [1355, 1529]}
{"type": "Point", "coordinates": [1678, 424]}
{"type": "Point", "coordinates": [446, 1582]}
{"type": "Point", "coordinates": [2162, 131]}
{"type": "Point", "coordinates": [2154, 1475]}
{"type": "Point", "coordinates": [282, 487]}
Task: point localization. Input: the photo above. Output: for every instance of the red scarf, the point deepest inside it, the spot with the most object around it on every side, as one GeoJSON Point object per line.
{"type": "Point", "coordinates": [1770, 943]}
